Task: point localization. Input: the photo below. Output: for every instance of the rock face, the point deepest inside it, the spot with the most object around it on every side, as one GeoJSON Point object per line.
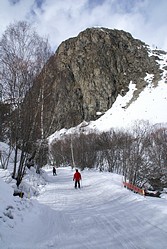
{"type": "Point", "coordinates": [87, 73]}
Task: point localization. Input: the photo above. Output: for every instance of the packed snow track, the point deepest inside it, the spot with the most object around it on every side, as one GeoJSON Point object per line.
{"type": "Point", "coordinates": [100, 215]}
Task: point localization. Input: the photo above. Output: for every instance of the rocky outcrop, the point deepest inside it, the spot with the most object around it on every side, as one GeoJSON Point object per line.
{"type": "Point", "coordinates": [87, 73]}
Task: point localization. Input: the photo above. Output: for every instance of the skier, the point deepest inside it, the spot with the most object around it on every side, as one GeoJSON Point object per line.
{"type": "Point", "coordinates": [54, 171]}
{"type": "Point", "coordinates": [77, 178]}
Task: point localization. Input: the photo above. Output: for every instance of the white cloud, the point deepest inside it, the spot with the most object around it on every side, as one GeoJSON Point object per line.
{"type": "Point", "coordinates": [60, 20]}
{"type": "Point", "coordinates": [10, 12]}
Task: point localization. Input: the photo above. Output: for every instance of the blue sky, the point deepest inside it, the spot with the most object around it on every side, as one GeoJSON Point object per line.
{"type": "Point", "coordinates": [62, 19]}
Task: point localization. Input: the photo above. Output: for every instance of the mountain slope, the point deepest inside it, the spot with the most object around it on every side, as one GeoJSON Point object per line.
{"type": "Point", "coordinates": [150, 106]}
{"type": "Point", "coordinates": [88, 72]}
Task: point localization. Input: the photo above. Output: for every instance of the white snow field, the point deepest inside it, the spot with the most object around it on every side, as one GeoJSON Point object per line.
{"type": "Point", "coordinates": [100, 215]}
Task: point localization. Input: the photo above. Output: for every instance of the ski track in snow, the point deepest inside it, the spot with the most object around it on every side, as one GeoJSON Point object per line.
{"type": "Point", "coordinates": [100, 215]}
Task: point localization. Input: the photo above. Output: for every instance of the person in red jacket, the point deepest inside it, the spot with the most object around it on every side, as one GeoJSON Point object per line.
{"type": "Point", "coordinates": [77, 178]}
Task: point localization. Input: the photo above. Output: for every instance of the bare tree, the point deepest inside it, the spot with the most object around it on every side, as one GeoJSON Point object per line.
{"type": "Point", "coordinates": [156, 171]}
{"type": "Point", "coordinates": [136, 158]}
{"type": "Point", "coordinates": [23, 54]}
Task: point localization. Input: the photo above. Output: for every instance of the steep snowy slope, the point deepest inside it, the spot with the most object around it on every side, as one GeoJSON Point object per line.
{"type": "Point", "coordinates": [151, 105]}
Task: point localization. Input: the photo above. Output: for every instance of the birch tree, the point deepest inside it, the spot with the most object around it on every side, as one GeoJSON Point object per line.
{"type": "Point", "coordinates": [23, 54]}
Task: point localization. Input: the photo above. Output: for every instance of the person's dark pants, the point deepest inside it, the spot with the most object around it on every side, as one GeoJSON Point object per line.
{"type": "Point", "coordinates": [77, 183]}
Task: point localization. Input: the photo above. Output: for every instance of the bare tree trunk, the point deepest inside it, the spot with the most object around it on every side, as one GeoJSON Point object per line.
{"type": "Point", "coordinates": [72, 154]}
{"type": "Point", "coordinates": [21, 168]}
{"type": "Point", "coordinates": [15, 163]}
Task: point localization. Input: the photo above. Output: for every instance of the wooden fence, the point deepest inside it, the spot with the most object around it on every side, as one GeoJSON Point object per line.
{"type": "Point", "coordinates": [134, 188]}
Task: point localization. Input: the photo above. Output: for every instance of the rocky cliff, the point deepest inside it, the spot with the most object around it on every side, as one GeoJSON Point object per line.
{"type": "Point", "coordinates": [87, 73]}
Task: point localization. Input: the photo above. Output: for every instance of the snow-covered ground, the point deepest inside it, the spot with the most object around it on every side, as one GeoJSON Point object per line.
{"type": "Point", "coordinates": [100, 215]}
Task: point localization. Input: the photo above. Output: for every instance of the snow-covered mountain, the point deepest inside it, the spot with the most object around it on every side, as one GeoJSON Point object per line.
{"type": "Point", "coordinates": [151, 106]}
{"type": "Point", "coordinates": [88, 73]}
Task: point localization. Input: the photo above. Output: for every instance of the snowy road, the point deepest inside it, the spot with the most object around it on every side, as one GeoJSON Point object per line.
{"type": "Point", "coordinates": [101, 215]}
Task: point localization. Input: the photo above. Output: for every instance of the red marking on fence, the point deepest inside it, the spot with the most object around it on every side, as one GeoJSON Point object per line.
{"type": "Point", "coordinates": [134, 188]}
